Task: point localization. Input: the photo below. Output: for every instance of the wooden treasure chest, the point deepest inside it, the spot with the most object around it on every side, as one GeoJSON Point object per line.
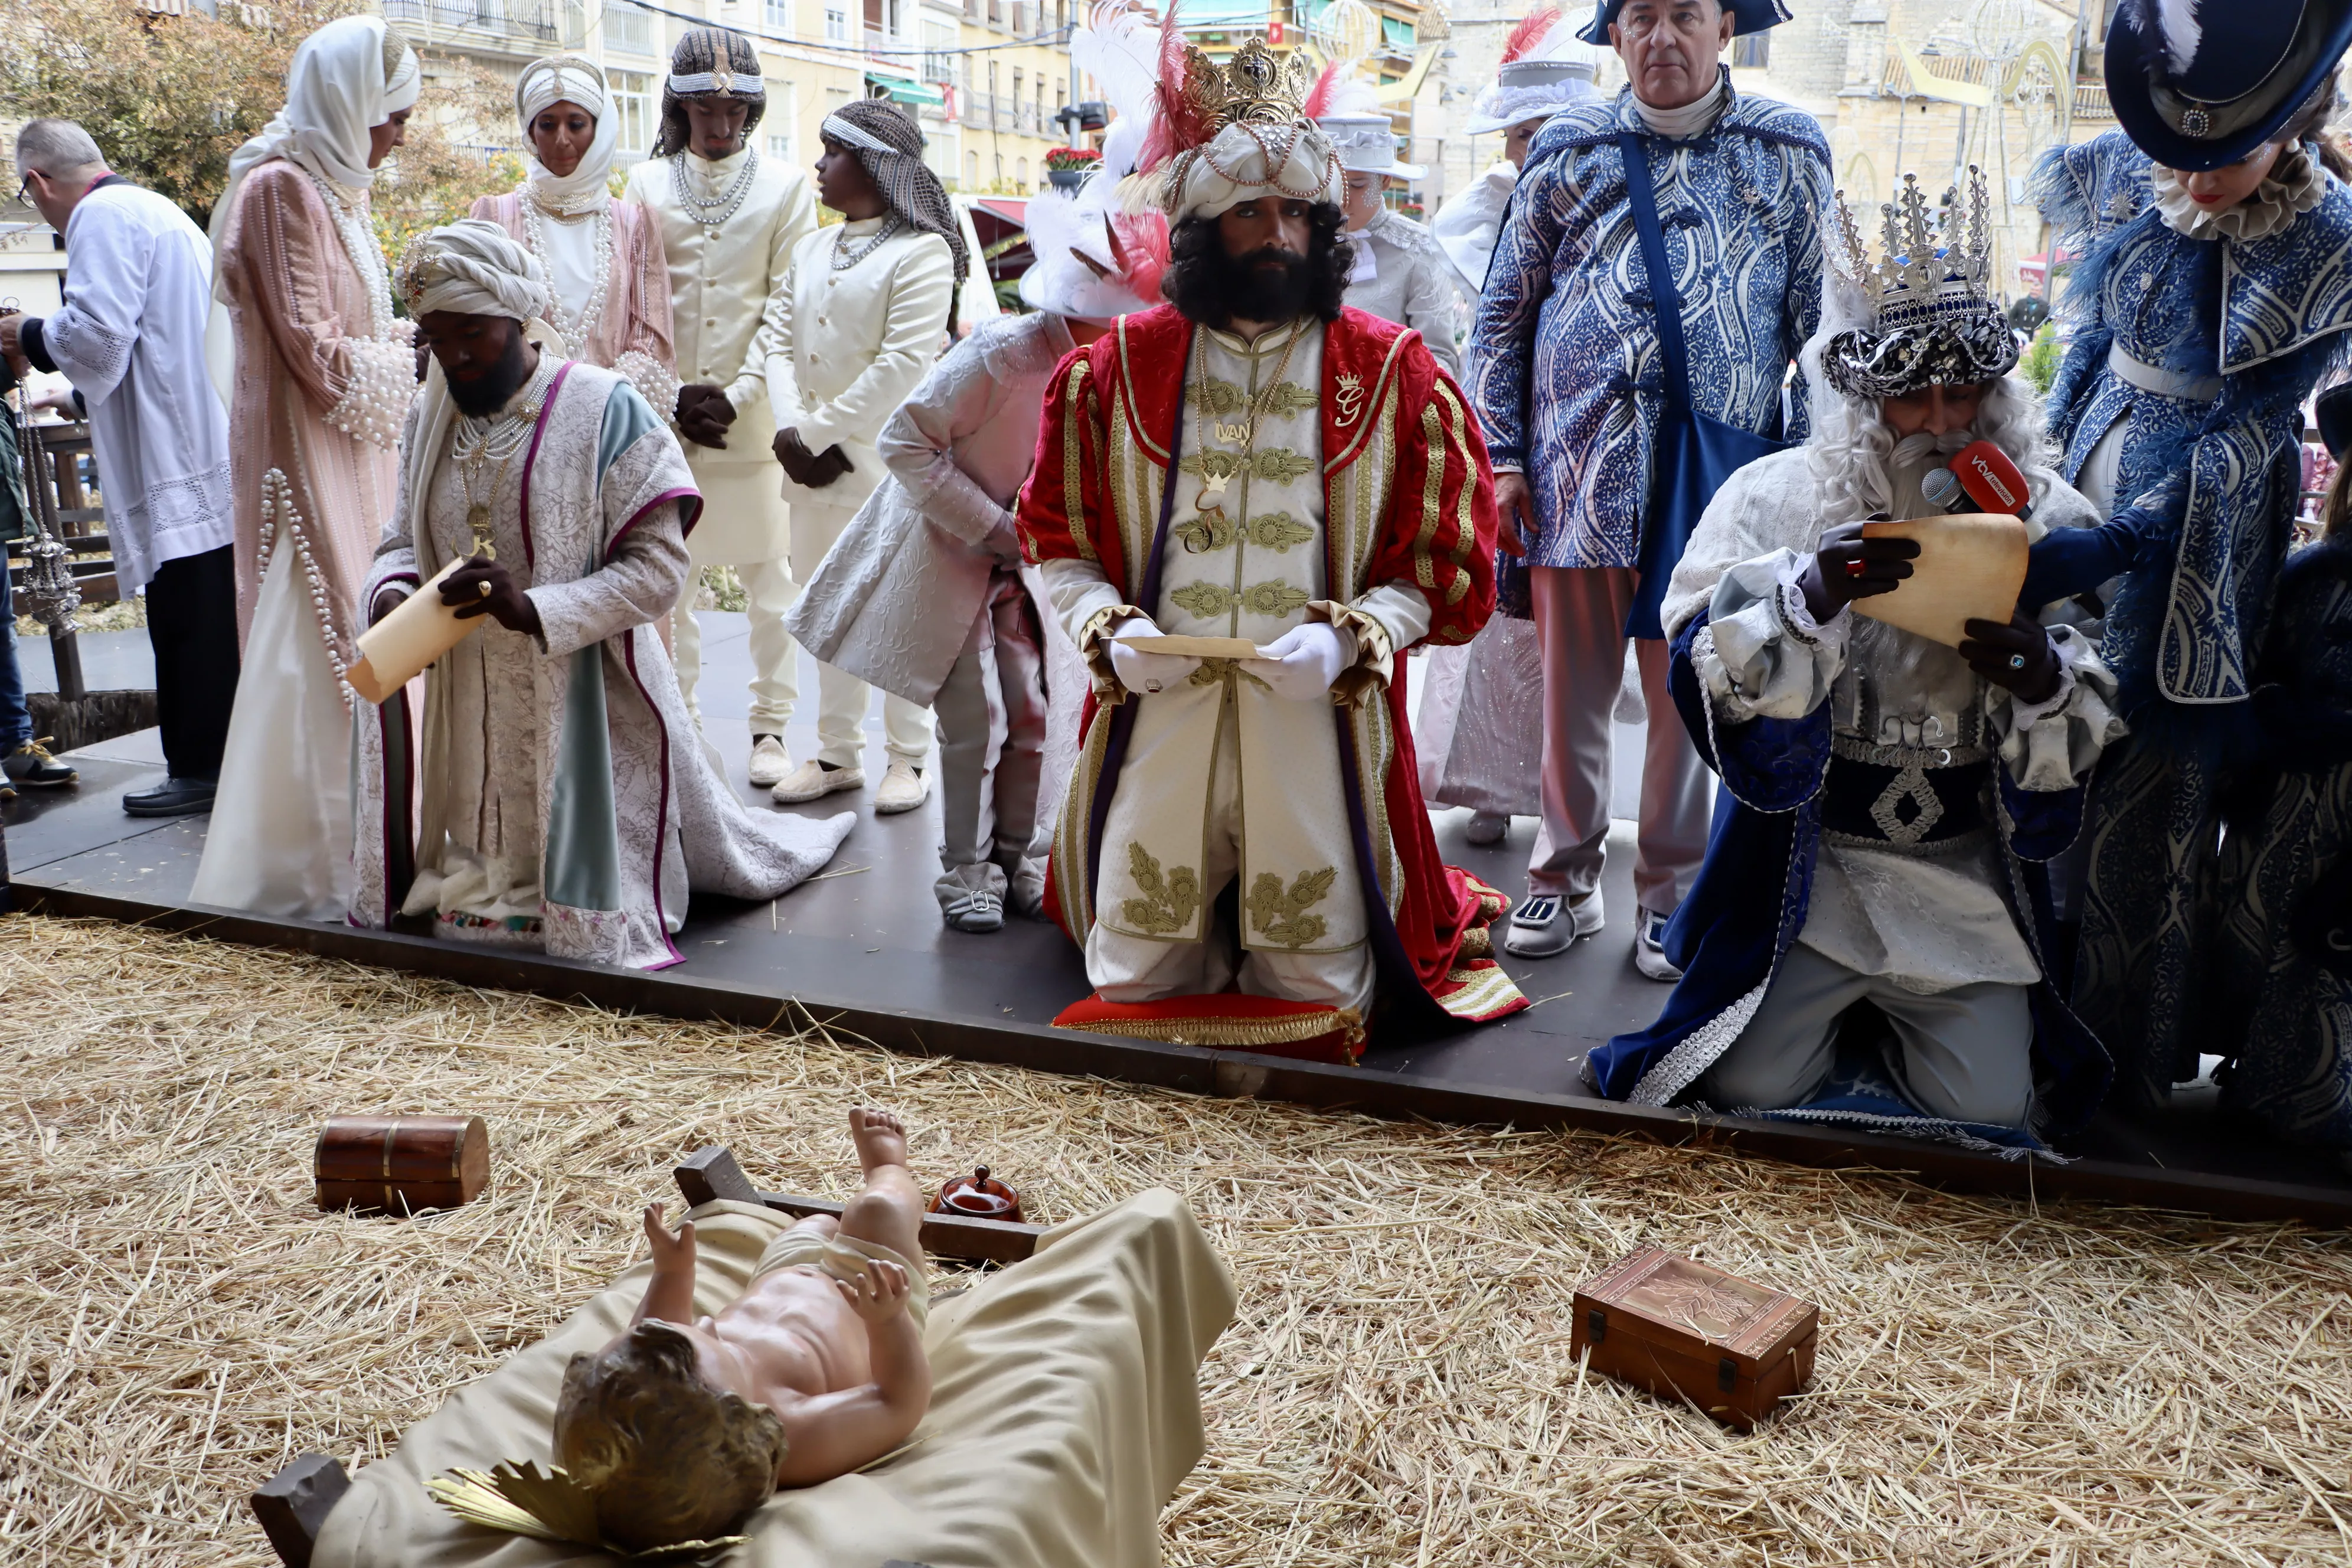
{"type": "Point", "coordinates": [1685, 1330]}
{"type": "Point", "coordinates": [401, 1164]}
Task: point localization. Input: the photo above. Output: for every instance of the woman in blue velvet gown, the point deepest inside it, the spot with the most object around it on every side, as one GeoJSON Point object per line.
{"type": "Point", "coordinates": [2215, 288]}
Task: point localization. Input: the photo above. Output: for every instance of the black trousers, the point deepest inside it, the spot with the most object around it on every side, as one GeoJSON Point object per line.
{"type": "Point", "coordinates": [192, 621]}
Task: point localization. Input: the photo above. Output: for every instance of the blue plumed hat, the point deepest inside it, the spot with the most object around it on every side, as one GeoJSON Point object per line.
{"type": "Point", "coordinates": [1753, 16]}
{"type": "Point", "coordinates": [2198, 87]}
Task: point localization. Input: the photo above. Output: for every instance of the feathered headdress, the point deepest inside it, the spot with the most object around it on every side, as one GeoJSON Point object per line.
{"type": "Point", "coordinates": [1924, 309]}
{"type": "Point", "coordinates": [1117, 45]}
{"type": "Point", "coordinates": [1093, 261]}
{"type": "Point", "coordinates": [1229, 133]}
{"type": "Point", "coordinates": [1546, 68]}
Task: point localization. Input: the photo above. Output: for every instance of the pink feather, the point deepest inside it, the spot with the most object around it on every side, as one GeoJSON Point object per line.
{"type": "Point", "coordinates": [1138, 244]}
{"type": "Point", "coordinates": [1529, 32]}
{"type": "Point", "coordinates": [1319, 97]}
{"type": "Point", "coordinates": [1180, 125]}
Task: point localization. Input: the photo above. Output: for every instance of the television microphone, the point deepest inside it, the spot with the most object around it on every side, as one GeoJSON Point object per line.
{"type": "Point", "coordinates": [1991, 480]}
{"type": "Point", "coordinates": [1942, 488]}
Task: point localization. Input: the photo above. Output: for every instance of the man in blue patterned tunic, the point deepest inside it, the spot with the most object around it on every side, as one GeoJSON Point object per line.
{"type": "Point", "coordinates": [1571, 383]}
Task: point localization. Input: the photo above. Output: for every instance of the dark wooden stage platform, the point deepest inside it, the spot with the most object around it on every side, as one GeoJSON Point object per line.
{"type": "Point", "coordinates": [862, 947]}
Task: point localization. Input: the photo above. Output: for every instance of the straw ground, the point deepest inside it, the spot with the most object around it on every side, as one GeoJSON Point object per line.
{"type": "Point", "coordinates": [1997, 1383]}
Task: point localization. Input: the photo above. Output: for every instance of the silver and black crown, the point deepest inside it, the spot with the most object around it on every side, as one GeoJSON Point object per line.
{"type": "Point", "coordinates": [1933, 319]}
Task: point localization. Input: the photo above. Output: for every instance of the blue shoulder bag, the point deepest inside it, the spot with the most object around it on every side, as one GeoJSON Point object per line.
{"type": "Point", "coordinates": [1692, 454]}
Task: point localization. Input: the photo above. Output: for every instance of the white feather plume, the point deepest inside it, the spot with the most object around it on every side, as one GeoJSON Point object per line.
{"type": "Point", "coordinates": [2178, 29]}
{"type": "Point", "coordinates": [1118, 44]}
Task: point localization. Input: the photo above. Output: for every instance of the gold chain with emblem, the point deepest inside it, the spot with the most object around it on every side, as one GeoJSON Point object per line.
{"type": "Point", "coordinates": [1210, 503]}
{"type": "Point", "coordinates": [500, 437]}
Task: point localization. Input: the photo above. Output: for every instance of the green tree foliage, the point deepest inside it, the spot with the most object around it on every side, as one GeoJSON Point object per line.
{"type": "Point", "coordinates": [2039, 364]}
{"type": "Point", "coordinates": [168, 98]}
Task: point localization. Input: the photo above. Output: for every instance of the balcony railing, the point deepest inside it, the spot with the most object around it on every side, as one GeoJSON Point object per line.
{"type": "Point", "coordinates": [628, 29]}
{"type": "Point", "coordinates": [537, 21]}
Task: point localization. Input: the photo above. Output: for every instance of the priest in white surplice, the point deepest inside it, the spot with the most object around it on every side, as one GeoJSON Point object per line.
{"type": "Point", "coordinates": [566, 804]}
{"type": "Point", "coordinates": [130, 339]}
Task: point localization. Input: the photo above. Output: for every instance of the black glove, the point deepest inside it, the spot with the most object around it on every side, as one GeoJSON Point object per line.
{"type": "Point", "coordinates": [704, 414]}
{"type": "Point", "coordinates": [1849, 567]}
{"type": "Point", "coordinates": [2017, 656]}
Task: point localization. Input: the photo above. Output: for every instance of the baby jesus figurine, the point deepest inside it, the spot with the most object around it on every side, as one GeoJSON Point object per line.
{"type": "Point", "coordinates": [682, 1425]}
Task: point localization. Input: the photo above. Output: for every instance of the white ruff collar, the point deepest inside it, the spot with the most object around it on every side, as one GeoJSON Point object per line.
{"type": "Point", "coordinates": [2294, 186]}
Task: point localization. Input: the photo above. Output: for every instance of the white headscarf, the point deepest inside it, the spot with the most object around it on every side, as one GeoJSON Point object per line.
{"type": "Point", "coordinates": [566, 79]}
{"type": "Point", "coordinates": [473, 267]}
{"type": "Point", "coordinates": [348, 78]}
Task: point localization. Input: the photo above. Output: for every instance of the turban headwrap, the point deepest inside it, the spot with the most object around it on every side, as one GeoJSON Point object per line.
{"type": "Point", "coordinates": [710, 60]}
{"type": "Point", "coordinates": [565, 78]}
{"type": "Point", "coordinates": [889, 145]}
{"type": "Point", "coordinates": [1249, 160]}
{"type": "Point", "coordinates": [472, 267]}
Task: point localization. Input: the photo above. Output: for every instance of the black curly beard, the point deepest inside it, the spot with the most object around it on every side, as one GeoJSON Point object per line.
{"type": "Point", "coordinates": [1267, 285]}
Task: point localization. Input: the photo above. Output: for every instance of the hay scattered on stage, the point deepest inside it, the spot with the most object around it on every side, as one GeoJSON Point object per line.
{"type": "Point", "coordinates": [1996, 1384]}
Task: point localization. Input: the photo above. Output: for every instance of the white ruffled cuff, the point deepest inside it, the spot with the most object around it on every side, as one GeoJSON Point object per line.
{"type": "Point", "coordinates": [2052, 744]}
{"type": "Point", "coordinates": [1762, 655]}
{"type": "Point", "coordinates": [382, 382]}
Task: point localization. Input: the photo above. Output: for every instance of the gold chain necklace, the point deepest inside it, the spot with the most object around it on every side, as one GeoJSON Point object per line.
{"type": "Point", "coordinates": [501, 438]}
{"type": "Point", "coordinates": [1210, 503]}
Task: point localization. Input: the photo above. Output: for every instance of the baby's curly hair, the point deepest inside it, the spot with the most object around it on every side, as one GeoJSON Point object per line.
{"type": "Point", "coordinates": [666, 1456]}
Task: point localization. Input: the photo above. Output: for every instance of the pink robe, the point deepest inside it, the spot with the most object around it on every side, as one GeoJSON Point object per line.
{"type": "Point", "coordinates": [631, 333]}
{"type": "Point", "coordinates": [318, 398]}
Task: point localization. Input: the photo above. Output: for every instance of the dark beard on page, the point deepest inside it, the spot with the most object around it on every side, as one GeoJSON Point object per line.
{"type": "Point", "coordinates": [1251, 291]}
{"type": "Point", "coordinates": [495, 387]}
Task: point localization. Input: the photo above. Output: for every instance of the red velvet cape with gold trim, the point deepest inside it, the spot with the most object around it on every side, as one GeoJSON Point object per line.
{"type": "Point", "coordinates": [1408, 498]}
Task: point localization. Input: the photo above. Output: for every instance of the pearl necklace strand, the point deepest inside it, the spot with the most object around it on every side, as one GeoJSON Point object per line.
{"type": "Point", "coordinates": [843, 261]}
{"type": "Point", "coordinates": [711, 212]}
{"type": "Point", "coordinates": [367, 257]}
{"type": "Point", "coordinates": [576, 329]}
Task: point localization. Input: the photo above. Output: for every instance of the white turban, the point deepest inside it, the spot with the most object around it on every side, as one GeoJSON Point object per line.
{"type": "Point", "coordinates": [1247, 162]}
{"type": "Point", "coordinates": [472, 267]}
{"type": "Point", "coordinates": [567, 78]}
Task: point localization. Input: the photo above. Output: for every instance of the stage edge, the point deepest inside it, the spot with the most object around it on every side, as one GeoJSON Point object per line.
{"type": "Point", "coordinates": [1231, 1074]}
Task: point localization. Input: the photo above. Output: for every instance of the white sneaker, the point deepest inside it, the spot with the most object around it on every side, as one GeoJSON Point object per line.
{"type": "Point", "coordinates": [1546, 924]}
{"type": "Point", "coordinates": [1649, 946]}
{"type": "Point", "coordinates": [770, 761]}
{"type": "Point", "coordinates": [904, 788]}
{"type": "Point", "coordinates": [1486, 827]}
{"type": "Point", "coordinates": [814, 781]}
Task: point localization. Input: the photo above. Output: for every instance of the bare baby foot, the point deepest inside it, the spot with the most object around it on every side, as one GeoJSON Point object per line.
{"type": "Point", "coordinates": [880, 1137]}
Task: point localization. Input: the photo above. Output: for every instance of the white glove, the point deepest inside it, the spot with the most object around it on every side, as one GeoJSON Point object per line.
{"type": "Point", "coordinates": [1302, 663]}
{"type": "Point", "coordinates": [1146, 673]}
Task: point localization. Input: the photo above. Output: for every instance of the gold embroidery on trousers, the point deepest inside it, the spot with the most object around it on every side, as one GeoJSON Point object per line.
{"type": "Point", "coordinates": [1280, 917]}
{"type": "Point", "coordinates": [1168, 903]}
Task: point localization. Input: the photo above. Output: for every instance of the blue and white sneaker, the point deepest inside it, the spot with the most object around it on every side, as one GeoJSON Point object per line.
{"type": "Point", "coordinates": [1649, 947]}
{"type": "Point", "coordinates": [1546, 924]}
